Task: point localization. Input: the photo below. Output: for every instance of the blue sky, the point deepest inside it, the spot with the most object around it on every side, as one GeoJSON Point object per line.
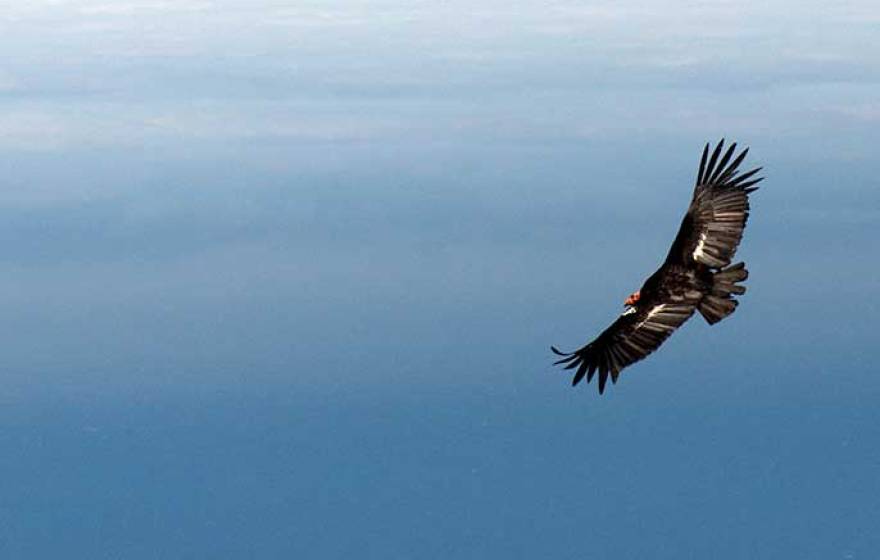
{"type": "Point", "coordinates": [281, 278]}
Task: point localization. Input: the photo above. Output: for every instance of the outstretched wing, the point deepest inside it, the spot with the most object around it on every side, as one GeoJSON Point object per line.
{"type": "Point", "coordinates": [634, 335]}
{"type": "Point", "coordinates": [713, 226]}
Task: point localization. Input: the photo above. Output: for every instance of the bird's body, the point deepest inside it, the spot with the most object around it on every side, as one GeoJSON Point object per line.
{"type": "Point", "coordinates": [697, 274]}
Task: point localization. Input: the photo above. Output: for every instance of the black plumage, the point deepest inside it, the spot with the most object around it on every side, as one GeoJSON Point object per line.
{"type": "Point", "coordinates": [697, 274]}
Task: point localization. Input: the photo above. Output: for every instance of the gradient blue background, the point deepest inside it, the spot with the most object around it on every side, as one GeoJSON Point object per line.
{"type": "Point", "coordinates": [279, 280]}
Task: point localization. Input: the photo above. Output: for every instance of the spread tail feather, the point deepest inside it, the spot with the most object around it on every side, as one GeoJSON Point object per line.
{"type": "Point", "coordinates": [719, 303]}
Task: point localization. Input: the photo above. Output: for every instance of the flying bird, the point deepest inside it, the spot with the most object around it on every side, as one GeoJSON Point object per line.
{"type": "Point", "coordinates": [697, 274]}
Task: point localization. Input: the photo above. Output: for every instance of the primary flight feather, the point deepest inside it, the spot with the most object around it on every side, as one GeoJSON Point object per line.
{"type": "Point", "coordinates": [697, 274]}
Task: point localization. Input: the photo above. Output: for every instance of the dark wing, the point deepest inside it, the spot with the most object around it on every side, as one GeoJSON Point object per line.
{"type": "Point", "coordinates": [714, 223]}
{"type": "Point", "coordinates": [634, 335]}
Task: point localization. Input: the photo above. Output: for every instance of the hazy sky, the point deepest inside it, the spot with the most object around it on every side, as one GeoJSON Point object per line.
{"type": "Point", "coordinates": [280, 278]}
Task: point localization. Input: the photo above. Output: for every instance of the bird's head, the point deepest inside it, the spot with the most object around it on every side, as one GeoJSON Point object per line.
{"type": "Point", "coordinates": [633, 298]}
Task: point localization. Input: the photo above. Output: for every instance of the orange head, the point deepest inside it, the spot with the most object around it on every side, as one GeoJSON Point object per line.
{"type": "Point", "coordinates": [633, 298]}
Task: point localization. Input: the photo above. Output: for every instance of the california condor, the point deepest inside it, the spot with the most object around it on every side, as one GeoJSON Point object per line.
{"type": "Point", "coordinates": [696, 275]}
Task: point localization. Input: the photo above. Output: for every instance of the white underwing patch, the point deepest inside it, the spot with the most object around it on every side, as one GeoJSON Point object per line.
{"type": "Point", "coordinates": [698, 252]}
